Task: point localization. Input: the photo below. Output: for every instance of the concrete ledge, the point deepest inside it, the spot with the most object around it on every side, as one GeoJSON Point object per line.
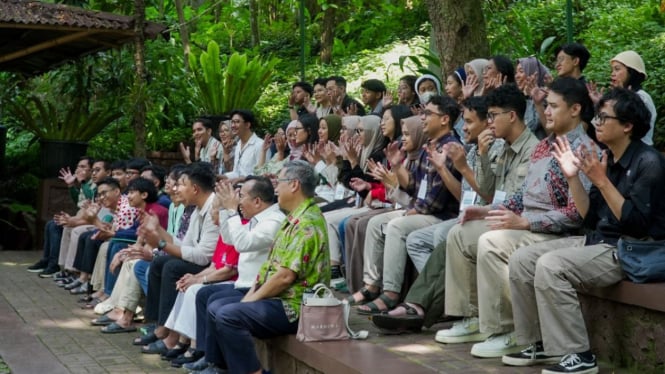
{"type": "Point", "coordinates": [286, 354]}
{"type": "Point", "coordinates": [645, 295]}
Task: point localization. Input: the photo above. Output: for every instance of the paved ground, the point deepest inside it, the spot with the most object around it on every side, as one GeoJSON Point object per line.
{"type": "Point", "coordinates": [43, 330]}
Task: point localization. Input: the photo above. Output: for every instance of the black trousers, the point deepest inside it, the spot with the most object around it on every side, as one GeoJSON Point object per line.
{"type": "Point", "coordinates": [86, 252]}
{"type": "Point", "coordinates": [164, 272]}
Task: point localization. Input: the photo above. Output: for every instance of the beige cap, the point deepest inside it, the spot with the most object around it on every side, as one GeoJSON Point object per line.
{"type": "Point", "coordinates": [632, 60]}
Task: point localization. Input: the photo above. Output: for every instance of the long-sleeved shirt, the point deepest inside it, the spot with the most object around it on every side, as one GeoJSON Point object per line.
{"type": "Point", "coordinates": [438, 200]}
{"type": "Point", "coordinates": [505, 166]}
{"type": "Point", "coordinates": [544, 197]}
{"type": "Point", "coordinates": [200, 240]}
{"type": "Point", "coordinates": [246, 157]}
{"type": "Point", "coordinates": [252, 241]}
{"type": "Point", "coordinates": [639, 176]}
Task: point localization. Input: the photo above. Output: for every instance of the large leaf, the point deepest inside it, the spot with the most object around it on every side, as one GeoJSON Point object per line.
{"type": "Point", "coordinates": [222, 85]}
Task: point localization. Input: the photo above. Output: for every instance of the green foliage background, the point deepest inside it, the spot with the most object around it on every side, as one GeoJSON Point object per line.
{"type": "Point", "coordinates": [371, 38]}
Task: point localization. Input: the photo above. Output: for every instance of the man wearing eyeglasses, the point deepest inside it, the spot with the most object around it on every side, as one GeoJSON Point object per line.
{"type": "Point", "coordinates": [496, 165]}
{"type": "Point", "coordinates": [478, 248]}
{"type": "Point", "coordinates": [625, 200]}
{"type": "Point", "coordinates": [298, 259]}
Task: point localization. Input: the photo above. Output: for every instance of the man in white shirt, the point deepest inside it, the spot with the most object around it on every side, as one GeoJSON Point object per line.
{"type": "Point", "coordinates": [249, 145]}
{"type": "Point", "coordinates": [196, 186]}
{"type": "Point", "coordinates": [255, 200]}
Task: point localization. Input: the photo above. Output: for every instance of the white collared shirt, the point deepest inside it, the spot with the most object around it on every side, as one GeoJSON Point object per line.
{"type": "Point", "coordinates": [252, 241]}
{"type": "Point", "coordinates": [246, 157]}
{"type": "Point", "coordinates": [200, 241]}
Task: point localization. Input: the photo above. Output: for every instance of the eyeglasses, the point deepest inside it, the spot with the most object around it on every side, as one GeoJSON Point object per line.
{"type": "Point", "coordinates": [428, 113]}
{"type": "Point", "coordinates": [237, 121]}
{"type": "Point", "coordinates": [285, 179]}
{"type": "Point", "coordinates": [602, 117]}
{"type": "Point", "coordinates": [491, 116]}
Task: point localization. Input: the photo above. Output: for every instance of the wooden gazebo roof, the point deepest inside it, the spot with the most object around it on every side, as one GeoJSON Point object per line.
{"type": "Point", "coordinates": [36, 36]}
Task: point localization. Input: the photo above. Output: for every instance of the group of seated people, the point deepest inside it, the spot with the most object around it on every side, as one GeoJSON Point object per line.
{"type": "Point", "coordinates": [506, 191]}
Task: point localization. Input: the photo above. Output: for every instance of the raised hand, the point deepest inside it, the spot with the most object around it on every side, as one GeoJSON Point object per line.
{"type": "Point", "coordinates": [593, 167]}
{"type": "Point", "coordinates": [352, 110]}
{"type": "Point", "coordinates": [470, 86]}
{"type": "Point", "coordinates": [280, 143]}
{"type": "Point", "coordinates": [594, 93]}
{"type": "Point", "coordinates": [457, 154]}
{"type": "Point", "coordinates": [394, 154]}
{"type": "Point", "coordinates": [567, 159]}
{"type": "Point", "coordinates": [388, 98]}
{"type": "Point", "coordinates": [267, 142]}
{"type": "Point", "coordinates": [67, 176]}
{"type": "Point", "coordinates": [485, 139]}
{"type": "Point", "coordinates": [226, 195]}
{"type": "Point", "coordinates": [185, 151]}
{"type": "Point", "coordinates": [358, 185]}
{"type": "Point", "coordinates": [436, 157]}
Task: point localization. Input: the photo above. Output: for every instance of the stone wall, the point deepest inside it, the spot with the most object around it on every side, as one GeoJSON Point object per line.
{"type": "Point", "coordinates": [627, 336]}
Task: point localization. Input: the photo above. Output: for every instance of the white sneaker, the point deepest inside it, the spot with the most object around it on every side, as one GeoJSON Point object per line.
{"type": "Point", "coordinates": [497, 345]}
{"type": "Point", "coordinates": [104, 307]}
{"type": "Point", "coordinates": [467, 330]}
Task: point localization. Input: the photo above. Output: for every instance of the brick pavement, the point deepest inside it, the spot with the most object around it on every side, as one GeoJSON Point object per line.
{"type": "Point", "coordinates": [43, 330]}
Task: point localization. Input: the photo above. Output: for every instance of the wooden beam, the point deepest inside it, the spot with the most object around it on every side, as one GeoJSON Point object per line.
{"type": "Point", "coordinates": [46, 45]}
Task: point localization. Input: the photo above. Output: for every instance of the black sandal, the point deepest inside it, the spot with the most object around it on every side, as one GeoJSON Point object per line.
{"type": "Point", "coordinates": [367, 296]}
{"type": "Point", "coordinates": [411, 321]}
{"type": "Point", "coordinates": [374, 309]}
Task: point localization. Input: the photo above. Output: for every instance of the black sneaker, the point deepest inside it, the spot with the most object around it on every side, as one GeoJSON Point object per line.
{"type": "Point", "coordinates": [574, 363]}
{"type": "Point", "coordinates": [532, 355]}
{"type": "Point", "coordinates": [64, 274]}
{"type": "Point", "coordinates": [38, 267]}
{"type": "Point", "coordinates": [49, 272]}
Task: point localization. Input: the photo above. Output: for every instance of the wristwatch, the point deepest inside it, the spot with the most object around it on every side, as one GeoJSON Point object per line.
{"type": "Point", "coordinates": [161, 245]}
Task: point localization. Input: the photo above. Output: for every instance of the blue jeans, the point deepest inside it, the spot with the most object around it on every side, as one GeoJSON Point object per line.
{"type": "Point", "coordinates": [110, 277]}
{"type": "Point", "coordinates": [141, 270]}
{"type": "Point", "coordinates": [233, 324]}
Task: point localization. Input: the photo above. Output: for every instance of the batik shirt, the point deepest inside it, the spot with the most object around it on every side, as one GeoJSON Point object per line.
{"type": "Point", "coordinates": [544, 198]}
{"type": "Point", "coordinates": [301, 245]}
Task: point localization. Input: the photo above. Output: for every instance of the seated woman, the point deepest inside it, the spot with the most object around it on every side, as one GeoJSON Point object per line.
{"type": "Point", "coordinates": [454, 89]}
{"type": "Point", "coordinates": [406, 91]}
{"type": "Point", "coordinates": [474, 77]}
{"type": "Point", "coordinates": [323, 156]}
{"type": "Point", "coordinates": [499, 70]}
{"type": "Point", "coordinates": [413, 139]}
{"type": "Point", "coordinates": [427, 86]}
{"type": "Point", "coordinates": [531, 76]}
{"type": "Point", "coordinates": [324, 105]}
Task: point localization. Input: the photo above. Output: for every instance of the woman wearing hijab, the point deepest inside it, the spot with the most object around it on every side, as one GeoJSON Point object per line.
{"type": "Point", "coordinates": [368, 143]}
{"type": "Point", "coordinates": [455, 89]}
{"type": "Point", "coordinates": [530, 76]}
{"type": "Point", "coordinates": [426, 87]}
{"type": "Point", "coordinates": [413, 138]}
{"type": "Point", "coordinates": [473, 86]}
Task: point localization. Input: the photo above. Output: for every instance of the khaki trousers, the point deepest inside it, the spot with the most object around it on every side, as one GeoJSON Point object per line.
{"type": "Point", "coordinates": [99, 271]}
{"type": "Point", "coordinates": [127, 290]}
{"type": "Point", "coordinates": [373, 248]}
{"type": "Point", "coordinates": [68, 245]}
{"type": "Point", "coordinates": [477, 265]}
{"type": "Point", "coordinates": [394, 253]}
{"type": "Point", "coordinates": [543, 282]}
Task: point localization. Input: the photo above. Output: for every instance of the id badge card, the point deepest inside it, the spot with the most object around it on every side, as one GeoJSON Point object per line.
{"type": "Point", "coordinates": [422, 190]}
{"type": "Point", "coordinates": [468, 199]}
{"type": "Point", "coordinates": [499, 197]}
{"type": "Point", "coordinates": [340, 190]}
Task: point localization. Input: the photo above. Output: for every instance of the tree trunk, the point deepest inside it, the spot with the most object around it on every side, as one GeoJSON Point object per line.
{"type": "Point", "coordinates": [139, 79]}
{"type": "Point", "coordinates": [458, 29]}
{"type": "Point", "coordinates": [328, 34]}
{"type": "Point", "coordinates": [184, 32]}
{"type": "Point", "coordinates": [254, 22]}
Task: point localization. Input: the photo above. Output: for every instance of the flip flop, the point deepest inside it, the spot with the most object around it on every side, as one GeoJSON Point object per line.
{"type": "Point", "coordinates": [155, 348]}
{"type": "Point", "coordinates": [374, 309]}
{"type": "Point", "coordinates": [104, 320]}
{"type": "Point", "coordinates": [411, 321]}
{"type": "Point", "coordinates": [115, 328]}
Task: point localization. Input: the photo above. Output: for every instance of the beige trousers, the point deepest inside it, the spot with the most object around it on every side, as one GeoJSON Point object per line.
{"type": "Point", "coordinates": [333, 219]}
{"type": "Point", "coordinates": [477, 265]}
{"type": "Point", "coordinates": [373, 248]}
{"type": "Point", "coordinates": [543, 282]}
{"type": "Point", "coordinates": [69, 243]}
{"type": "Point", "coordinates": [99, 271]}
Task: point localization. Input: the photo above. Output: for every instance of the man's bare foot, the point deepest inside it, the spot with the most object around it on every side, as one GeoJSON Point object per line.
{"type": "Point", "coordinates": [401, 311]}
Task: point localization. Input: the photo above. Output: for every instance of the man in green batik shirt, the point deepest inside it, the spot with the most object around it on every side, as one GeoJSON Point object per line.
{"type": "Point", "coordinates": [299, 259]}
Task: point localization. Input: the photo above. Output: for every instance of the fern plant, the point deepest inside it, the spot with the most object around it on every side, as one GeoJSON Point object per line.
{"type": "Point", "coordinates": [224, 83]}
{"type": "Point", "coordinates": [51, 120]}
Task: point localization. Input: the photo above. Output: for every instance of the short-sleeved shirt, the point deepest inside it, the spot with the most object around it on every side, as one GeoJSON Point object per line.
{"type": "Point", "coordinates": [300, 245]}
{"type": "Point", "coordinates": [124, 215]}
